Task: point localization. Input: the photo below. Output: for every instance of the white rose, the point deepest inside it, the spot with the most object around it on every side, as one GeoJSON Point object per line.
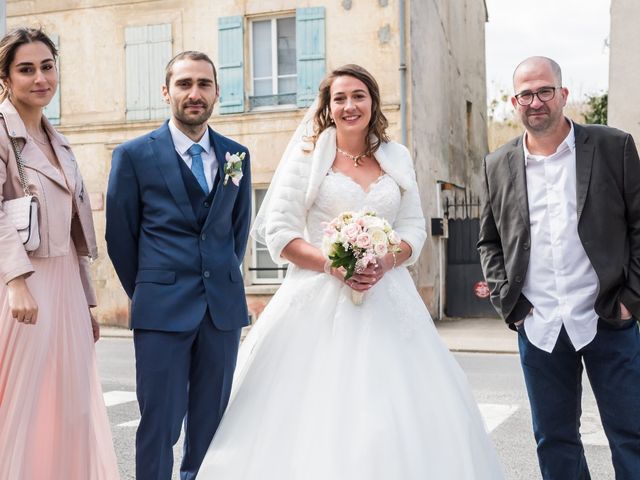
{"type": "Point", "coordinates": [394, 238]}
{"type": "Point", "coordinates": [378, 237]}
{"type": "Point", "coordinates": [380, 249]}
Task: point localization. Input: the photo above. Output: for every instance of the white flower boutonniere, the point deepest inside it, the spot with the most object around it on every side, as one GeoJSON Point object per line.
{"type": "Point", "coordinates": [233, 168]}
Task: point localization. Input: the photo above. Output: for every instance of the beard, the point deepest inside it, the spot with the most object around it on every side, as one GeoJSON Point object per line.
{"type": "Point", "coordinates": [540, 124]}
{"type": "Point", "coordinates": [193, 119]}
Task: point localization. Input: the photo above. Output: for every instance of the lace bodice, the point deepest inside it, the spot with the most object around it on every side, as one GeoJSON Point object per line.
{"type": "Point", "coordinates": [339, 193]}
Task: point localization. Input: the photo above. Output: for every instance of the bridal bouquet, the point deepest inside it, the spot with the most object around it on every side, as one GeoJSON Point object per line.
{"type": "Point", "coordinates": [355, 240]}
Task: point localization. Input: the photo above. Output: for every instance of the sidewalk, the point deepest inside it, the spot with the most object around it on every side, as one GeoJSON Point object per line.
{"type": "Point", "coordinates": [488, 335]}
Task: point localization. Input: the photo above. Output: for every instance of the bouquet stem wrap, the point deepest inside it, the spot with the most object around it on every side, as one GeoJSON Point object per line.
{"type": "Point", "coordinates": [357, 297]}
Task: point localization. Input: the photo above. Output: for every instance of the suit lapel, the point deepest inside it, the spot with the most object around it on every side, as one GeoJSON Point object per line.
{"type": "Point", "coordinates": [584, 161]}
{"type": "Point", "coordinates": [164, 156]}
{"type": "Point", "coordinates": [518, 177]}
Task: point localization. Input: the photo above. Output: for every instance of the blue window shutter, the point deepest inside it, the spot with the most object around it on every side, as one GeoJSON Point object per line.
{"type": "Point", "coordinates": [160, 52]}
{"type": "Point", "coordinates": [52, 111]}
{"type": "Point", "coordinates": [310, 47]}
{"type": "Point", "coordinates": [231, 64]}
{"type": "Point", "coordinates": [137, 72]}
{"type": "Point", "coordinates": [148, 49]}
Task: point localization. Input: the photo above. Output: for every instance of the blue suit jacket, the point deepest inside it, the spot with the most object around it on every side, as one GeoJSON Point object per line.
{"type": "Point", "coordinates": [172, 269]}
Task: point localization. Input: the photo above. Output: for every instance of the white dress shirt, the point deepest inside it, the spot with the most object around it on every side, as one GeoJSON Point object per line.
{"type": "Point", "coordinates": [560, 282]}
{"type": "Point", "coordinates": [182, 143]}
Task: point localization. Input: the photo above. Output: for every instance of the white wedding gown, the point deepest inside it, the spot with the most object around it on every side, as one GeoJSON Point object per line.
{"type": "Point", "coordinates": [327, 390]}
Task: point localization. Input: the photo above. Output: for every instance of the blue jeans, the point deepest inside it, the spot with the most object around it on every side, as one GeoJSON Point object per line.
{"type": "Point", "coordinates": [554, 386]}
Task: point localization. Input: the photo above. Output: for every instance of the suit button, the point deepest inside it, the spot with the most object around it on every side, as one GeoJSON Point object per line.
{"type": "Point", "coordinates": [206, 204]}
{"type": "Point", "coordinates": [526, 246]}
{"type": "Point", "coordinates": [203, 236]}
{"type": "Point", "coordinates": [518, 278]}
{"type": "Point", "coordinates": [206, 274]}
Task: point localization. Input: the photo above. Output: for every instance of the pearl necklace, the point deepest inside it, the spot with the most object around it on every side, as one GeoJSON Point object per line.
{"type": "Point", "coordinates": [354, 158]}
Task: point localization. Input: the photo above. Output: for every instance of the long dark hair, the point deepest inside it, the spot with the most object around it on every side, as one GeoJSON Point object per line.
{"type": "Point", "coordinates": [10, 43]}
{"type": "Point", "coordinates": [377, 125]}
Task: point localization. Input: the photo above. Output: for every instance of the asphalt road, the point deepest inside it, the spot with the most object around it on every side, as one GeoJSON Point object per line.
{"type": "Point", "coordinates": [496, 380]}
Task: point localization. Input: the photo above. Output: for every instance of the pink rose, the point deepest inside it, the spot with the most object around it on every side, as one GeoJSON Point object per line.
{"type": "Point", "coordinates": [351, 232]}
{"type": "Point", "coordinates": [363, 240]}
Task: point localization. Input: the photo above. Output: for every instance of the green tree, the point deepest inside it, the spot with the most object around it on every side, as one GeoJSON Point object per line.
{"type": "Point", "coordinates": [597, 109]}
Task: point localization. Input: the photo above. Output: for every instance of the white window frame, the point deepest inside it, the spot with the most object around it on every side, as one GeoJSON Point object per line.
{"type": "Point", "coordinates": [274, 62]}
{"type": "Point", "coordinates": [280, 274]}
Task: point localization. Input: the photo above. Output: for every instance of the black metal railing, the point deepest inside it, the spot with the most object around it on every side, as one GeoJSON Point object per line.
{"type": "Point", "coordinates": [462, 206]}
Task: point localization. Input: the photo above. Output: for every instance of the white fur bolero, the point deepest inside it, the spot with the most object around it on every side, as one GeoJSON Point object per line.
{"type": "Point", "coordinates": [296, 185]}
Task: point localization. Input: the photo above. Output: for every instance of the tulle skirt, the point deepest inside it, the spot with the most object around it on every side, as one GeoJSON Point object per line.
{"type": "Point", "coordinates": [327, 390]}
{"type": "Point", "coordinates": [53, 421]}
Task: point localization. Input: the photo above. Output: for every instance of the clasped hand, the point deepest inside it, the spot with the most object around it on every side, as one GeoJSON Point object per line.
{"type": "Point", "coordinates": [367, 278]}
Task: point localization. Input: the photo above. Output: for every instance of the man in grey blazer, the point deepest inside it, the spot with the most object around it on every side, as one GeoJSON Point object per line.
{"type": "Point", "coordinates": [560, 249]}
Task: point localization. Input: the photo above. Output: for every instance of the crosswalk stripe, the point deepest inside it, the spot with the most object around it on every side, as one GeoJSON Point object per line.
{"type": "Point", "coordinates": [132, 423]}
{"type": "Point", "coordinates": [494, 415]}
{"type": "Point", "coordinates": [117, 397]}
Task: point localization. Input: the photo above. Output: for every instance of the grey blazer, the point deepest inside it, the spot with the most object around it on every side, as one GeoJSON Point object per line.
{"type": "Point", "coordinates": [608, 209]}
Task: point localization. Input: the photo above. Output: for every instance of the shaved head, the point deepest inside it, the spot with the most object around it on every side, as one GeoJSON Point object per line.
{"type": "Point", "coordinates": [535, 63]}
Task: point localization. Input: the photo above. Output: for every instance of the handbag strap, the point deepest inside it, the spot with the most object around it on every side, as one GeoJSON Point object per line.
{"type": "Point", "coordinates": [21, 173]}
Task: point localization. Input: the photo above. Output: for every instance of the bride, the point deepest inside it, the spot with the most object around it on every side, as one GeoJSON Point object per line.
{"type": "Point", "coordinates": [329, 390]}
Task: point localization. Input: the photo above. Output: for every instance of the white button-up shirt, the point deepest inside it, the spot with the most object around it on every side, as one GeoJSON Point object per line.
{"type": "Point", "coordinates": [560, 282]}
{"type": "Point", "coordinates": [182, 143]}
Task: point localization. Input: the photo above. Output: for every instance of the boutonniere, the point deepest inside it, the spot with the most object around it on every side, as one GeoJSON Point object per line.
{"type": "Point", "coordinates": [233, 168]}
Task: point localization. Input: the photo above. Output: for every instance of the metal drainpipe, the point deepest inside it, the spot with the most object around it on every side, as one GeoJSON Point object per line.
{"type": "Point", "coordinates": [403, 73]}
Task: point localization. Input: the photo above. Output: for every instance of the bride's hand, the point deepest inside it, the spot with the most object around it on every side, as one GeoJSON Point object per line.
{"type": "Point", "coordinates": [367, 278]}
{"type": "Point", "coordinates": [371, 275]}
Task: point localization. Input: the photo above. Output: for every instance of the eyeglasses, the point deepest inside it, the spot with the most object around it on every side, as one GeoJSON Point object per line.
{"type": "Point", "coordinates": [544, 94]}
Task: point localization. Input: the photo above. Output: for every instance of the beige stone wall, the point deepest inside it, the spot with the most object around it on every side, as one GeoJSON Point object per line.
{"type": "Point", "coordinates": [447, 71]}
{"type": "Point", "coordinates": [93, 103]}
{"type": "Point", "coordinates": [624, 67]}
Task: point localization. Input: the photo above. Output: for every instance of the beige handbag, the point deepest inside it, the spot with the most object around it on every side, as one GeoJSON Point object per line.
{"type": "Point", "coordinates": [23, 211]}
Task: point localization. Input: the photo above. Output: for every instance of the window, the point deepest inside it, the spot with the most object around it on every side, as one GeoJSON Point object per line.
{"type": "Point", "coordinates": [287, 60]}
{"type": "Point", "coordinates": [263, 269]}
{"type": "Point", "coordinates": [147, 50]}
{"type": "Point", "coordinates": [273, 61]}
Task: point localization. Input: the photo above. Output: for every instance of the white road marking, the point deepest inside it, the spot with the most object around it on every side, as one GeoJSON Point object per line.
{"type": "Point", "coordinates": [495, 414]}
{"type": "Point", "coordinates": [132, 423]}
{"type": "Point", "coordinates": [118, 397]}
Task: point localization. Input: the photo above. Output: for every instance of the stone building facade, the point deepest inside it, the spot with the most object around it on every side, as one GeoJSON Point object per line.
{"type": "Point", "coordinates": [428, 58]}
{"type": "Point", "coordinates": [624, 67]}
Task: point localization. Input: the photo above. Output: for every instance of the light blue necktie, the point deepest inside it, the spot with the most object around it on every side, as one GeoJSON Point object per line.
{"type": "Point", "coordinates": [196, 166]}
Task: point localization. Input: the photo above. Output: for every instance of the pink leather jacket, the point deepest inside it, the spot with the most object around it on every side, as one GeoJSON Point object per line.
{"type": "Point", "coordinates": [53, 190]}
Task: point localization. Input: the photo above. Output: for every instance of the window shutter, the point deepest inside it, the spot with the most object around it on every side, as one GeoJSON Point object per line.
{"type": "Point", "coordinates": [148, 50]}
{"type": "Point", "coordinates": [231, 63]}
{"type": "Point", "coordinates": [160, 52]}
{"type": "Point", "coordinates": [137, 72]}
{"type": "Point", "coordinates": [310, 47]}
{"type": "Point", "coordinates": [52, 111]}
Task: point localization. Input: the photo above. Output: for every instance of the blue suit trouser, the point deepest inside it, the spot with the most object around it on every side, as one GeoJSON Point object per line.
{"type": "Point", "coordinates": [182, 377]}
{"type": "Point", "coordinates": [554, 386]}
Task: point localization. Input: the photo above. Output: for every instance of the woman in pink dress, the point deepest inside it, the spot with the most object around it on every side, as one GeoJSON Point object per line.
{"type": "Point", "coordinates": [53, 422]}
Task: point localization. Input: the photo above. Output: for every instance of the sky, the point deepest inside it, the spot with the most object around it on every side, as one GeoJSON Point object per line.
{"type": "Point", "coordinates": [572, 32]}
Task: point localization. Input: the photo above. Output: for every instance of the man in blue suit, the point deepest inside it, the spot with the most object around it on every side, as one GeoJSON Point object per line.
{"type": "Point", "coordinates": [178, 214]}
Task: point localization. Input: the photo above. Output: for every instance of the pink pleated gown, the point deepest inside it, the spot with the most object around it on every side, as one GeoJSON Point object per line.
{"type": "Point", "coordinates": [53, 421]}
